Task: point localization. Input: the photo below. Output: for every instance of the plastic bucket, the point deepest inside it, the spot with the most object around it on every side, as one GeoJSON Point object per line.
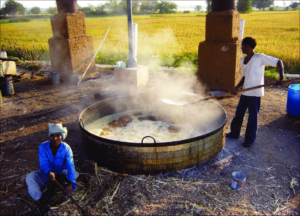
{"type": "Point", "coordinates": [8, 87]}
{"type": "Point", "coordinates": [293, 100]}
{"type": "Point", "coordinates": [55, 77]}
{"type": "Point", "coordinates": [237, 180]}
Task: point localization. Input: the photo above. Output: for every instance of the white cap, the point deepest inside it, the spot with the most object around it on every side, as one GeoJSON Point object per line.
{"type": "Point", "coordinates": [58, 128]}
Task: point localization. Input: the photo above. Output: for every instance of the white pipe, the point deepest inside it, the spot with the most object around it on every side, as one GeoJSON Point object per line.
{"type": "Point", "coordinates": [134, 39]}
{"type": "Point", "coordinates": [242, 27]}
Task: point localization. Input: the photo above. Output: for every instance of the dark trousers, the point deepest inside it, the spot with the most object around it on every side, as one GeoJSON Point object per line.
{"type": "Point", "coordinates": [252, 104]}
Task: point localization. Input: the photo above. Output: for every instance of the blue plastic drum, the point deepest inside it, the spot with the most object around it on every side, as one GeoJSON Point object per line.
{"type": "Point", "coordinates": [293, 100]}
{"type": "Point", "coordinates": [7, 88]}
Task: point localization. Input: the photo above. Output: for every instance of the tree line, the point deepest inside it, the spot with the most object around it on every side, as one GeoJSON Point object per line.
{"type": "Point", "coordinates": [245, 6]}
{"type": "Point", "coordinates": [114, 7]}
{"type": "Point", "coordinates": [111, 7]}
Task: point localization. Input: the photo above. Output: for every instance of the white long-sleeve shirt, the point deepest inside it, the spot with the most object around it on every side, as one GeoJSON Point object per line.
{"type": "Point", "coordinates": [253, 72]}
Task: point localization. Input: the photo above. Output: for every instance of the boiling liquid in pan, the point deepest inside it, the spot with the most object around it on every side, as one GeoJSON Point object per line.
{"type": "Point", "coordinates": [136, 130]}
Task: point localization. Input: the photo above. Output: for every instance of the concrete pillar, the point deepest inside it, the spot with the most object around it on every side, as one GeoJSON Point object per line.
{"type": "Point", "coordinates": [71, 49]}
{"type": "Point", "coordinates": [130, 79]}
{"type": "Point", "coordinates": [219, 55]}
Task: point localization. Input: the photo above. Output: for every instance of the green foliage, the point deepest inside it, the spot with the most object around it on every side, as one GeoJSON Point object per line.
{"type": "Point", "coordinates": [85, 10]}
{"type": "Point", "coordinates": [262, 4]}
{"type": "Point", "coordinates": [186, 11]}
{"type": "Point", "coordinates": [111, 5]}
{"type": "Point", "coordinates": [17, 51]}
{"type": "Point", "coordinates": [4, 17]}
{"type": "Point", "coordinates": [114, 7]}
{"type": "Point", "coordinates": [198, 8]}
{"type": "Point", "coordinates": [271, 9]}
{"type": "Point", "coordinates": [35, 10]}
{"type": "Point", "coordinates": [135, 6]}
{"type": "Point", "coordinates": [2, 12]}
{"type": "Point", "coordinates": [98, 13]}
{"type": "Point", "coordinates": [111, 58]}
{"type": "Point", "coordinates": [52, 10]}
{"type": "Point", "coordinates": [176, 61]}
{"type": "Point", "coordinates": [180, 60]}
{"type": "Point", "coordinates": [294, 5]}
{"type": "Point", "coordinates": [20, 19]}
{"type": "Point", "coordinates": [13, 8]}
{"type": "Point", "coordinates": [38, 16]}
{"type": "Point", "coordinates": [244, 6]}
{"type": "Point", "coordinates": [148, 6]}
{"type": "Point", "coordinates": [292, 69]}
{"type": "Point", "coordinates": [14, 58]}
{"type": "Point", "coordinates": [31, 66]}
{"type": "Point", "coordinates": [26, 18]}
{"type": "Point", "coordinates": [208, 7]}
{"type": "Point", "coordinates": [271, 74]}
{"type": "Point", "coordinates": [166, 7]}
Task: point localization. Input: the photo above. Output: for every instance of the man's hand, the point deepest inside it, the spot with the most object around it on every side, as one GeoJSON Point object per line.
{"type": "Point", "coordinates": [239, 85]}
{"type": "Point", "coordinates": [235, 90]}
{"type": "Point", "coordinates": [51, 176]}
{"type": "Point", "coordinates": [68, 189]}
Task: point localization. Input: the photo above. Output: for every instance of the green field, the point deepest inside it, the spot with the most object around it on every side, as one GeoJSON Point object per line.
{"type": "Point", "coordinates": [163, 39]}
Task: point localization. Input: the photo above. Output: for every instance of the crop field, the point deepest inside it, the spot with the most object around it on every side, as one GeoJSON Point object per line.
{"type": "Point", "coordinates": [167, 38]}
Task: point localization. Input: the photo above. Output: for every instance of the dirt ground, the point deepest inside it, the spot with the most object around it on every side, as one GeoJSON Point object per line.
{"type": "Point", "coordinates": [272, 165]}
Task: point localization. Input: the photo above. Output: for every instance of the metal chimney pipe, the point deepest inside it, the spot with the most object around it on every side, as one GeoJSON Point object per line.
{"type": "Point", "coordinates": [131, 62]}
{"type": "Point", "coordinates": [67, 6]}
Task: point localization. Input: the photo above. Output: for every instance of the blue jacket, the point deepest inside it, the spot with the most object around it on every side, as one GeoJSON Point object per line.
{"type": "Point", "coordinates": [63, 160]}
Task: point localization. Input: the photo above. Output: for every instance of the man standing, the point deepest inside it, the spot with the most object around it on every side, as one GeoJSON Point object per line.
{"type": "Point", "coordinates": [253, 67]}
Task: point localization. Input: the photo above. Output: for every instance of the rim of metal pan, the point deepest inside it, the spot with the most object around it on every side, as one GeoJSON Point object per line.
{"type": "Point", "coordinates": [160, 144]}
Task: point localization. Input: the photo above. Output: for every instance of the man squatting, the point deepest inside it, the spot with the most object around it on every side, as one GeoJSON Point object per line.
{"type": "Point", "coordinates": [56, 163]}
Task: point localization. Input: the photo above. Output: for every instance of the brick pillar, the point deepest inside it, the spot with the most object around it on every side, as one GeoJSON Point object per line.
{"type": "Point", "coordinates": [219, 55]}
{"type": "Point", "coordinates": [71, 49]}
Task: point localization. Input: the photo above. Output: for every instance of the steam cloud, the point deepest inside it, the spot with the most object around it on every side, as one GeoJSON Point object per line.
{"type": "Point", "coordinates": [169, 85]}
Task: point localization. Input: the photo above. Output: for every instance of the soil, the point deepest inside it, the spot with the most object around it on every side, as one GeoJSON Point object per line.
{"type": "Point", "coordinates": [269, 165]}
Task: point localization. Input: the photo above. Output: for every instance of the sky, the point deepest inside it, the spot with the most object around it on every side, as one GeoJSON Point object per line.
{"type": "Point", "coordinates": [83, 3]}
